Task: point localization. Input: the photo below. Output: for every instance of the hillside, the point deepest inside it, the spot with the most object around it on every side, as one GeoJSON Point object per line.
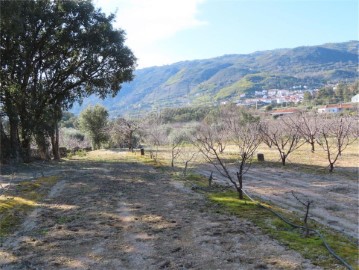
{"type": "Point", "coordinates": [210, 81]}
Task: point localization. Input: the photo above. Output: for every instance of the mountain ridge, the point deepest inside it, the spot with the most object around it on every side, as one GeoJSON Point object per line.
{"type": "Point", "coordinates": [227, 77]}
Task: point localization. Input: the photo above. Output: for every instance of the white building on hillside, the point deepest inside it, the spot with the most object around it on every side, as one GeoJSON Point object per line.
{"type": "Point", "coordinates": [355, 98]}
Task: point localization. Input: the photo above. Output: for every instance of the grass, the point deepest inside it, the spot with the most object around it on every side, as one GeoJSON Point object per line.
{"type": "Point", "coordinates": [310, 247]}
{"type": "Point", "coordinates": [26, 196]}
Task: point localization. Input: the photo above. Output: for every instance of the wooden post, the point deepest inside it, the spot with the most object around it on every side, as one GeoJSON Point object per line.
{"type": "Point", "coordinates": [142, 152]}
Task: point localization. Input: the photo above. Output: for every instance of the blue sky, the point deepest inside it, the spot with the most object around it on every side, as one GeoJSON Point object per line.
{"type": "Point", "coordinates": [166, 31]}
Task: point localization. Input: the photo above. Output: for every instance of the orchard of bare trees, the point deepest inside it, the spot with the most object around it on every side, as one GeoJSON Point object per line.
{"type": "Point", "coordinates": [227, 135]}
{"type": "Point", "coordinates": [244, 132]}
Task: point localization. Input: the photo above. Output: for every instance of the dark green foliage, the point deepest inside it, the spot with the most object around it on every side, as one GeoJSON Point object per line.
{"type": "Point", "coordinates": [48, 62]}
{"type": "Point", "coordinates": [68, 120]}
{"type": "Point", "coordinates": [93, 121]}
{"type": "Point", "coordinates": [185, 114]}
{"type": "Point", "coordinates": [339, 94]}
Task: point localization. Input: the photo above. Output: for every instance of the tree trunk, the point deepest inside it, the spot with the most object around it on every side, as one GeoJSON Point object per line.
{"type": "Point", "coordinates": [42, 146]}
{"type": "Point", "coordinates": [14, 140]}
{"type": "Point", "coordinates": [5, 149]}
{"type": "Point", "coordinates": [283, 157]}
{"type": "Point", "coordinates": [240, 182]}
{"type": "Point", "coordinates": [331, 167]}
{"type": "Point", "coordinates": [130, 146]}
{"type": "Point", "coordinates": [313, 146]}
{"type": "Point", "coordinates": [185, 168]}
{"type": "Point", "coordinates": [26, 151]}
{"type": "Point", "coordinates": [55, 142]}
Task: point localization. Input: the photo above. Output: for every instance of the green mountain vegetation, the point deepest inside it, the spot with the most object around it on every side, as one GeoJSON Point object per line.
{"type": "Point", "coordinates": [210, 81]}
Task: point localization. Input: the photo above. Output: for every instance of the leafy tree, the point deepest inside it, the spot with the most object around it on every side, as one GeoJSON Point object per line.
{"type": "Point", "coordinates": [68, 120]}
{"type": "Point", "coordinates": [93, 121]}
{"type": "Point", "coordinates": [54, 53]}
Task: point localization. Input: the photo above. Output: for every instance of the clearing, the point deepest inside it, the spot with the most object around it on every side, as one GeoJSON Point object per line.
{"type": "Point", "coordinates": [123, 214]}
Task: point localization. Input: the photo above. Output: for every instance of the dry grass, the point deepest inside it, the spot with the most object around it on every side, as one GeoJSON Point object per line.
{"type": "Point", "coordinates": [303, 158]}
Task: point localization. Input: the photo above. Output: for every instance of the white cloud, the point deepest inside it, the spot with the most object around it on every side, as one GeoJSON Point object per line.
{"type": "Point", "coordinates": [149, 21]}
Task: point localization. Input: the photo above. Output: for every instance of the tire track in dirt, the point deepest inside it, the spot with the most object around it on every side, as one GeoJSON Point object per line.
{"type": "Point", "coordinates": [128, 215]}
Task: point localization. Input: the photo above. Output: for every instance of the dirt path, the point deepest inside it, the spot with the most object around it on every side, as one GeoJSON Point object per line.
{"type": "Point", "coordinates": [127, 215]}
{"type": "Point", "coordinates": [335, 198]}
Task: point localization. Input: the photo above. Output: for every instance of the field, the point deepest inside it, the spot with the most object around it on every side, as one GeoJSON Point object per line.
{"type": "Point", "coordinates": [116, 210]}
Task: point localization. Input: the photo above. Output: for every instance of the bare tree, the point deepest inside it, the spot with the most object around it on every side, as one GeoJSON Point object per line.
{"type": "Point", "coordinates": [71, 138]}
{"type": "Point", "coordinates": [187, 157]}
{"type": "Point", "coordinates": [307, 203]}
{"type": "Point", "coordinates": [188, 152]}
{"type": "Point", "coordinates": [122, 129]}
{"type": "Point", "coordinates": [176, 139]}
{"type": "Point", "coordinates": [284, 137]}
{"type": "Point", "coordinates": [154, 134]}
{"type": "Point", "coordinates": [335, 134]}
{"type": "Point", "coordinates": [307, 126]}
{"type": "Point", "coordinates": [245, 136]}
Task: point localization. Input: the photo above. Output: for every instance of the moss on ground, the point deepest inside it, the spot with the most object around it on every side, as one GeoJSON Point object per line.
{"type": "Point", "coordinates": [26, 196]}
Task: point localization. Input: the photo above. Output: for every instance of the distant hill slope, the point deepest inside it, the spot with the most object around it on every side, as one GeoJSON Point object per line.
{"type": "Point", "coordinates": [226, 77]}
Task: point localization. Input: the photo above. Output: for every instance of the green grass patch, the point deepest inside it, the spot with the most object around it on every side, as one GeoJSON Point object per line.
{"type": "Point", "coordinates": [310, 247]}
{"type": "Point", "coordinates": [15, 206]}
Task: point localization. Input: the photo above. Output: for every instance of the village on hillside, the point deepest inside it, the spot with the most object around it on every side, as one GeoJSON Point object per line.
{"type": "Point", "coordinates": [287, 101]}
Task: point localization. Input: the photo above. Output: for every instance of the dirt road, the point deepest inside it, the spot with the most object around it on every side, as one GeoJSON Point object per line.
{"type": "Point", "coordinates": [127, 215]}
{"type": "Point", "coordinates": [335, 199]}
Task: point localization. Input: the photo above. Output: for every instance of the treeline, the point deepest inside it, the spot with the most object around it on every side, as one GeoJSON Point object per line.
{"type": "Point", "coordinates": [333, 94]}
{"type": "Point", "coordinates": [186, 114]}
{"type": "Point", "coordinates": [53, 53]}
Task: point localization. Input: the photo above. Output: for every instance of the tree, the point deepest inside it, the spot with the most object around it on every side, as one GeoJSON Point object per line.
{"type": "Point", "coordinates": [245, 136]}
{"type": "Point", "coordinates": [123, 130]}
{"type": "Point", "coordinates": [93, 121]}
{"type": "Point", "coordinates": [154, 134]}
{"type": "Point", "coordinates": [284, 137]}
{"type": "Point", "coordinates": [307, 125]}
{"type": "Point", "coordinates": [335, 134]}
{"type": "Point", "coordinates": [54, 53]}
{"type": "Point", "coordinates": [176, 139]}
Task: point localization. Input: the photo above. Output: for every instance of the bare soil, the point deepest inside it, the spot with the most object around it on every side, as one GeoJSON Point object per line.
{"type": "Point", "coordinates": [334, 196]}
{"type": "Point", "coordinates": [127, 215]}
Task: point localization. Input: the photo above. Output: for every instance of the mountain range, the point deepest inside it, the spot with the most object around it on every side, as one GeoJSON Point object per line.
{"type": "Point", "coordinates": [210, 81]}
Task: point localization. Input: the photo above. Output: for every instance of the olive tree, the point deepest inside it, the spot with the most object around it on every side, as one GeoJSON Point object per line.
{"type": "Point", "coordinates": [93, 122]}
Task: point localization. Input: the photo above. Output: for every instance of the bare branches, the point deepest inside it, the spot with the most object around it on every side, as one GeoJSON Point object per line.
{"type": "Point", "coordinates": [285, 137]}
{"type": "Point", "coordinates": [246, 137]}
{"type": "Point", "coordinates": [306, 204]}
{"type": "Point", "coordinates": [334, 135]}
{"type": "Point", "coordinates": [123, 131]}
{"type": "Point", "coordinates": [308, 126]}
